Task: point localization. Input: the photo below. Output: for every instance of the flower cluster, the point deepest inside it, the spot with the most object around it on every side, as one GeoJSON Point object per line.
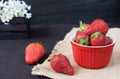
{"type": "Point", "coordinates": [14, 8]}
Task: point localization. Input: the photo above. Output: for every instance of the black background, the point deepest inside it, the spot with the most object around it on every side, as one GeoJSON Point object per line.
{"type": "Point", "coordinates": [72, 11]}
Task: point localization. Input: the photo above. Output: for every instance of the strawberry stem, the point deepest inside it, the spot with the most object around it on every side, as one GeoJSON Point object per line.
{"type": "Point", "coordinates": [82, 26]}
{"type": "Point", "coordinates": [54, 56]}
{"type": "Point", "coordinates": [48, 60]}
{"type": "Point", "coordinates": [40, 42]}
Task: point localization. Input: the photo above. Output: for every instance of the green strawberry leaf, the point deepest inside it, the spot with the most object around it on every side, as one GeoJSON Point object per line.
{"type": "Point", "coordinates": [84, 41]}
{"type": "Point", "coordinates": [95, 35]}
{"type": "Point", "coordinates": [40, 42]}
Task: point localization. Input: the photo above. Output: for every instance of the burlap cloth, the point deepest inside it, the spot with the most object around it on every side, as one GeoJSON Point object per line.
{"type": "Point", "coordinates": [111, 71]}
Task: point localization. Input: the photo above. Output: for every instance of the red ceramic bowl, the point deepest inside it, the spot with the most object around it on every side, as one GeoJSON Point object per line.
{"type": "Point", "coordinates": [91, 56]}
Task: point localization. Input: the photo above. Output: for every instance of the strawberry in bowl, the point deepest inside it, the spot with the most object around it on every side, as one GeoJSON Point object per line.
{"type": "Point", "coordinates": [98, 50]}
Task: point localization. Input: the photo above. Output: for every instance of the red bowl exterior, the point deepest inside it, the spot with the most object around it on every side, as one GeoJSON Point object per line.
{"type": "Point", "coordinates": [92, 56]}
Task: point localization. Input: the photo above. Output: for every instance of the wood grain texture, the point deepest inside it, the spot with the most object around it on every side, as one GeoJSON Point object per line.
{"type": "Point", "coordinates": [71, 11]}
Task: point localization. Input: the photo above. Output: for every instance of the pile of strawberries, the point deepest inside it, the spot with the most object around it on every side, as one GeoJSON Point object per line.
{"type": "Point", "coordinates": [93, 34]}
{"type": "Point", "coordinates": [59, 63]}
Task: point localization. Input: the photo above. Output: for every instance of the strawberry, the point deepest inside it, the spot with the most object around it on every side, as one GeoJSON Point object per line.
{"type": "Point", "coordinates": [86, 28]}
{"type": "Point", "coordinates": [97, 39]}
{"type": "Point", "coordinates": [61, 64]}
{"type": "Point", "coordinates": [108, 40]}
{"type": "Point", "coordinates": [81, 38]}
{"type": "Point", "coordinates": [34, 52]}
{"type": "Point", "coordinates": [99, 25]}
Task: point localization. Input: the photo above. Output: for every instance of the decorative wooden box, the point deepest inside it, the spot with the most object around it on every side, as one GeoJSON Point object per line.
{"type": "Point", "coordinates": [17, 28]}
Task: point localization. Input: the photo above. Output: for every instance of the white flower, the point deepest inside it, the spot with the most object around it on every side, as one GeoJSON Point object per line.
{"type": "Point", "coordinates": [5, 18]}
{"type": "Point", "coordinates": [28, 15]}
{"type": "Point", "coordinates": [29, 7]}
{"type": "Point", "coordinates": [14, 8]}
{"type": "Point", "coordinates": [1, 4]}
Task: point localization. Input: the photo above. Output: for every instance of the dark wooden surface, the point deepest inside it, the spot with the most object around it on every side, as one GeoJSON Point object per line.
{"type": "Point", "coordinates": [12, 52]}
{"type": "Point", "coordinates": [72, 11]}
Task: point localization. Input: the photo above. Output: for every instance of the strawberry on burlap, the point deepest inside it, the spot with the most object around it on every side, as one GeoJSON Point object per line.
{"type": "Point", "coordinates": [111, 71]}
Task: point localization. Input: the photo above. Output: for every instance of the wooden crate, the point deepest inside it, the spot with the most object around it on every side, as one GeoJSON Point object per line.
{"type": "Point", "coordinates": [17, 28]}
